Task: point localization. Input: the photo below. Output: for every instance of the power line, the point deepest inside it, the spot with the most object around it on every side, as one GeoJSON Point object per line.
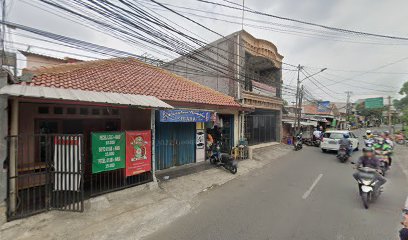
{"type": "Point", "coordinates": [342, 30]}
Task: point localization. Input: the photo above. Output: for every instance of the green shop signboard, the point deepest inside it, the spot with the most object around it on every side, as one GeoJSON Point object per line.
{"type": "Point", "coordinates": [371, 103]}
{"type": "Point", "coordinates": [108, 151]}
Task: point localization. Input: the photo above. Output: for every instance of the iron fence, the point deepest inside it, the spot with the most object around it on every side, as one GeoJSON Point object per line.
{"type": "Point", "coordinates": [45, 172]}
{"type": "Point", "coordinates": [115, 180]}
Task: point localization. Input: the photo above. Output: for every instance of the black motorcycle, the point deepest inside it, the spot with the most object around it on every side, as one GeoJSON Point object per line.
{"type": "Point", "coordinates": [343, 155]}
{"type": "Point", "coordinates": [367, 182]}
{"type": "Point", "coordinates": [223, 160]}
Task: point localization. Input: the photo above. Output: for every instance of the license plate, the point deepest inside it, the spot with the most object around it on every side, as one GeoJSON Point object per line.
{"type": "Point", "coordinates": [332, 142]}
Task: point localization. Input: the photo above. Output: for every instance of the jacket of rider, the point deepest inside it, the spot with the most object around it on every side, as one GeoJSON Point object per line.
{"type": "Point", "coordinates": [368, 162]}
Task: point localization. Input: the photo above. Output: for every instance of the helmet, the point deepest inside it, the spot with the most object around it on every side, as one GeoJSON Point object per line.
{"type": "Point", "coordinates": [368, 149]}
{"type": "Point", "coordinates": [386, 132]}
{"type": "Point", "coordinates": [346, 135]}
{"type": "Point", "coordinates": [368, 132]}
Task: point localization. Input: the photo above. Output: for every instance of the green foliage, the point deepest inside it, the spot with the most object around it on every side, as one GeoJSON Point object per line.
{"type": "Point", "coordinates": [402, 104]}
{"type": "Point", "coordinates": [372, 113]}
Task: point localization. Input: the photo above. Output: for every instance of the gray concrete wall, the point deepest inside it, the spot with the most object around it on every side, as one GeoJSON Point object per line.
{"type": "Point", "coordinates": [3, 146]}
{"type": "Point", "coordinates": [223, 51]}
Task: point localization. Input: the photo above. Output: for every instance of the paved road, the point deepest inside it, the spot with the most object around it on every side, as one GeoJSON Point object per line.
{"type": "Point", "coordinates": [304, 195]}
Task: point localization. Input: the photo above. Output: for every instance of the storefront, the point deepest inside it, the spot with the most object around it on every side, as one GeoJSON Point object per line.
{"type": "Point", "coordinates": [262, 126]}
{"type": "Point", "coordinates": [180, 137]}
{"type": "Point", "coordinates": [67, 149]}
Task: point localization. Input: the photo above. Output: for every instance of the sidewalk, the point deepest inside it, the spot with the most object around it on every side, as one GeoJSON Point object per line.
{"type": "Point", "coordinates": [401, 153]}
{"type": "Point", "coordinates": [135, 212]}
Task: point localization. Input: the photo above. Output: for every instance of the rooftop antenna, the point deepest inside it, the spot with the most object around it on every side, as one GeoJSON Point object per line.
{"type": "Point", "coordinates": [243, 11]}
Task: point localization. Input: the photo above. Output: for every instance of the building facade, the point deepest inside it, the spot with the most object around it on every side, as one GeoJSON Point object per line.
{"type": "Point", "coordinates": [82, 129]}
{"type": "Point", "coordinates": [251, 73]}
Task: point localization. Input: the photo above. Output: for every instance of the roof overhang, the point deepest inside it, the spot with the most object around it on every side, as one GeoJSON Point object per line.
{"type": "Point", "coordinates": [39, 92]}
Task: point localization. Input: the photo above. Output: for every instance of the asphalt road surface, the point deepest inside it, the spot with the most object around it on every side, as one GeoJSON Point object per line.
{"type": "Point", "coordinates": [304, 195]}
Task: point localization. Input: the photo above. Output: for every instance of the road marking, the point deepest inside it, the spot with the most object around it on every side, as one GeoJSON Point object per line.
{"type": "Point", "coordinates": [307, 193]}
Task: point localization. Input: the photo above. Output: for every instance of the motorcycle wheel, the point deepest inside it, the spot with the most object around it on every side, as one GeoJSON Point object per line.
{"type": "Point", "coordinates": [212, 160]}
{"type": "Point", "coordinates": [343, 159]}
{"type": "Point", "coordinates": [233, 169]}
{"type": "Point", "coordinates": [365, 198]}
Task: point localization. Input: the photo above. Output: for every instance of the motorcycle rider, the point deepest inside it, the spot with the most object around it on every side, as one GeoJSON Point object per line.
{"type": "Point", "coordinates": [316, 134]}
{"type": "Point", "coordinates": [369, 134]}
{"type": "Point", "coordinates": [383, 147]}
{"type": "Point", "coordinates": [346, 143]}
{"type": "Point", "coordinates": [388, 138]}
{"type": "Point", "coordinates": [370, 160]}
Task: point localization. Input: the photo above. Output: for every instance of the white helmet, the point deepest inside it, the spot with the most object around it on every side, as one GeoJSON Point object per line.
{"type": "Point", "coordinates": [368, 132]}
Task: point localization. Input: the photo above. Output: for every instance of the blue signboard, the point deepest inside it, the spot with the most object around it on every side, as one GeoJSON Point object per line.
{"type": "Point", "coordinates": [323, 106]}
{"type": "Point", "coordinates": [184, 116]}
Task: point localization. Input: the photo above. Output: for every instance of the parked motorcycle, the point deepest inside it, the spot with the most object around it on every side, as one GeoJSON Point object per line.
{"type": "Point", "coordinates": [298, 144]}
{"type": "Point", "coordinates": [343, 155]}
{"type": "Point", "coordinates": [223, 160]}
{"type": "Point", "coordinates": [367, 181]}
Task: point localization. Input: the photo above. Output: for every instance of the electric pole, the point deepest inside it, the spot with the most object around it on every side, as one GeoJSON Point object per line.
{"type": "Point", "coordinates": [389, 114]}
{"type": "Point", "coordinates": [348, 106]}
{"type": "Point", "coordinates": [297, 113]}
{"type": "Point", "coordinates": [300, 107]}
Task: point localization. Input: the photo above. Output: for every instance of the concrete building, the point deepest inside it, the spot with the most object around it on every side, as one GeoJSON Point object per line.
{"type": "Point", "coordinates": [36, 60]}
{"type": "Point", "coordinates": [248, 69]}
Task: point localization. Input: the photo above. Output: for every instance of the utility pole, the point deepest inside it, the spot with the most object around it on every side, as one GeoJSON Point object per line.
{"type": "Point", "coordinates": [348, 106]}
{"type": "Point", "coordinates": [300, 107]}
{"type": "Point", "coordinates": [243, 11]}
{"type": "Point", "coordinates": [297, 99]}
{"type": "Point", "coordinates": [389, 114]}
{"type": "Point", "coordinates": [3, 32]}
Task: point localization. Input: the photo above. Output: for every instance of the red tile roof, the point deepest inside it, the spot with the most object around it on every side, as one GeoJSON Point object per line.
{"type": "Point", "coordinates": [131, 76]}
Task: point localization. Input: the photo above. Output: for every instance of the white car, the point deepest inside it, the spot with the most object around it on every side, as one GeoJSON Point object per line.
{"type": "Point", "coordinates": [331, 140]}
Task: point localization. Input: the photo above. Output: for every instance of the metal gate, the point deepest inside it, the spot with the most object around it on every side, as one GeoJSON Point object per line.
{"type": "Point", "coordinates": [45, 172]}
{"type": "Point", "coordinates": [175, 144]}
{"type": "Point", "coordinates": [260, 128]}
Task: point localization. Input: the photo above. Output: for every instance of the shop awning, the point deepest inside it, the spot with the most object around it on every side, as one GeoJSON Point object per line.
{"type": "Point", "coordinates": [291, 122]}
{"type": "Point", "coordinates": [83, 96]}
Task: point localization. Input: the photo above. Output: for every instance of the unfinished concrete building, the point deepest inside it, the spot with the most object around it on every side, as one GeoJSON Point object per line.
{"type": "Point", "coordinates": [248, 69]}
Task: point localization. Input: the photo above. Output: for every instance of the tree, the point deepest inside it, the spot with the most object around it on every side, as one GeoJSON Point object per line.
{"type": "Point", "coordinates": [369, 113]}
{"type": "Point", "coordinates": [403, 102]}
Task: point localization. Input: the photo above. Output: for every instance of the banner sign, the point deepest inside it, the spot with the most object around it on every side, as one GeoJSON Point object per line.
{"type": "Point", "coordinates": [371, 103]}
{"type": "Point", "coordinates": [200, 139]}
{"type": "Point", "coordinates": [323, 106]}
{"type": "Point", "coordinates": [67, 159]}
{"type": "Point", "coordinates": [108, 151]}
{"type": "Point", "coordinates": [184, 116]}
{"type": "Point", "coordinates": [138, 152]}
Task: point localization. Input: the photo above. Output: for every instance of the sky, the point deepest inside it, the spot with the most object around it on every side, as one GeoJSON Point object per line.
{"type": "Point", "coordinates": [366, 66]}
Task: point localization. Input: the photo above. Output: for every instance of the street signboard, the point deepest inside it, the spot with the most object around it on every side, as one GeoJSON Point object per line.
{"type": "Point", "coordinates": [323, 106]}
{"type": "Point", "coordinates": [138, 152]}
{"type": "Point", "coordinates": [184, 116]}
{"type": "Point", "coordinates": [371, 103]}
{"type": "Point", "coordinates": [108, 151]}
